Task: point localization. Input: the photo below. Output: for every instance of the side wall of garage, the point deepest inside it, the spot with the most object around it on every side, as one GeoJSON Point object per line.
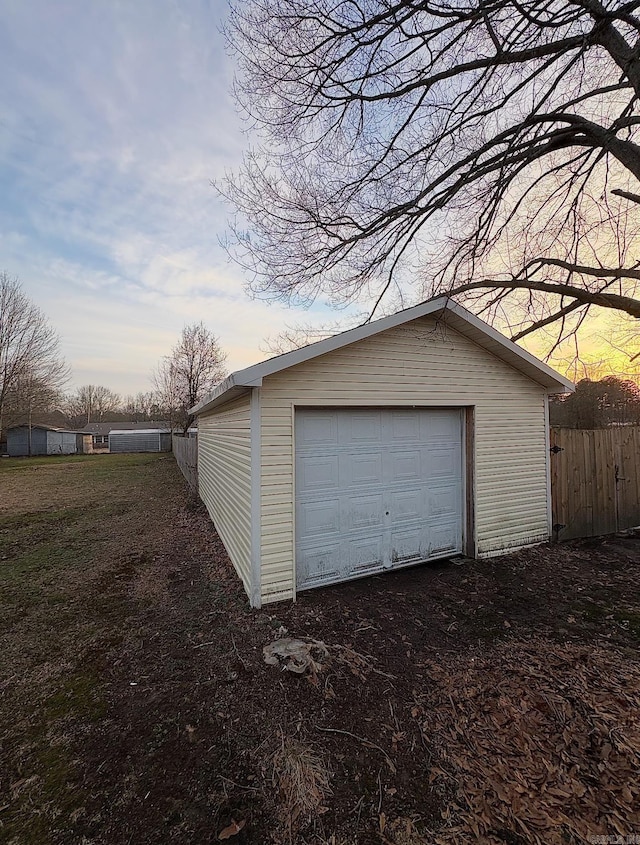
{"type": "Point", "coordinates": [418, 363]}
{"type": "Point", "coordinates": [224, 463]}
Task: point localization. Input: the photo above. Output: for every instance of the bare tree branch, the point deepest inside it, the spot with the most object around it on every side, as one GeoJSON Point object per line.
{"type": "Point", "coordinates": [422, 147]}
{"type": "Point", "coordinates": [627, 195]}
{"type": "Point", "coordinates": [31, 366]}
{"type": "Point", "coordinates": [546, 321]}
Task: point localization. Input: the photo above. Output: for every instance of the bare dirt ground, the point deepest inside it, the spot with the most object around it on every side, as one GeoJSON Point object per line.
{"type": "Point", "coordinates": [491, 701]}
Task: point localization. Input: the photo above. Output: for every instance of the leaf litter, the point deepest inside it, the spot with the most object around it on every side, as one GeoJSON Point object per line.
{"type": "Point", "coordinates": [540, 739]}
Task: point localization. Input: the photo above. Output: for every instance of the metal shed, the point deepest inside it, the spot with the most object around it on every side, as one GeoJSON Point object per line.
{"type": "Point", "coordinates": [100, 431]}
{"type": "Point", "coordinates": [140, 440]}
{"type": "Point", "coordinates": [419, 436]}
{"type": "Point", "coordinates": [24, 440]}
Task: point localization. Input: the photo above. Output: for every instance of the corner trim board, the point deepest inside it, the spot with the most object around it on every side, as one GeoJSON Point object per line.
{"type": "Point", "coordinates": [469, 451]}
{"type": "Point", "coordinates": [294, 574]}
{"type": "Point", "coordinates": [256, 516]}
{"type": "Point", "coordinates": [547, 440]}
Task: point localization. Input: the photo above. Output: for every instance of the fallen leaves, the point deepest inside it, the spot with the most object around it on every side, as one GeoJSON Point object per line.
{"type": "Point", "coordinates": [232, 829]}
{"type": "Point", "coordinates": [541, 740]}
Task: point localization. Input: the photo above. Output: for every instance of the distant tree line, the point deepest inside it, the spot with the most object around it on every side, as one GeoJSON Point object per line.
{"type": "Point", "coordinates": [88, 404]}
{"type": "Point", "coordinates": [597, 404]}
{"type": "Point", "coordinates": [34, 375]}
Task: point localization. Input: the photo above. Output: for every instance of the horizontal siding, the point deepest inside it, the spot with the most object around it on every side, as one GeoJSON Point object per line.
{"type": "Point", "coordinates": [420, 363]}
{"type": "Point", "coordinates": [224, 473]}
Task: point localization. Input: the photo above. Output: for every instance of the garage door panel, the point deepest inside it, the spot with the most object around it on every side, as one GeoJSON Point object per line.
{"type": "Point", "coordinates": [437, 425]}
{"type": "Point", "coordinates": [404, 465]}
{"type": "Point", "coordinates": [319, 518]}
{"type": "Point", "coordinates": [366, 555]}
{"type": "Point", "coordinates": [318, 429]}
{"type": "Point", "coordinates": [408, 545]}
{"type": "Point", "coordinates": [363, 428]}
{"type": "Point", "coordinates": [443, 501]}
{"type": "Point", "coordinates": [407, 504]}
{"type": "Point", "coordinates": [386, 492]}
{"type": "Point", "coordinates": [362, 512]}
{"type": "Point", "coordinates": [363, 468]}
{"type": "Point", "coordinates": [317, 474]}
{"type": "Point", "coordinates": [443, 463]}
{"type": "Point", "coordinates": [444, 538]}
{"type": "Point", "coordinates": [405, 426]}
{"type": "Point", "coordinates": [320, 565]}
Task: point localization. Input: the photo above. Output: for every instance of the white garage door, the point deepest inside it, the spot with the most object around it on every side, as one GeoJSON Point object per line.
{"type": "Point", "coordinates": [375, 489]}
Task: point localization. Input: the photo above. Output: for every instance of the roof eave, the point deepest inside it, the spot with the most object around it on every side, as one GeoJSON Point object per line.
{"type": "Point", "coordinates": [231, 388]}
{"type": "Point", "coordinates": [513, 354]}
{"type": "Point", "coordinates": [242, 380]}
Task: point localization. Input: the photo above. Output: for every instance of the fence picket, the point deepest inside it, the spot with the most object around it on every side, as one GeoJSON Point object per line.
{"type": "Point", "coordinates": [185, 450]}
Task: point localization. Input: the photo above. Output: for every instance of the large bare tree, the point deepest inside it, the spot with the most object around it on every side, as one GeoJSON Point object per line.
{"type": "Point", "coordinates": [92, 403]}
{"type": "Point", "coordinates": [487, 149]}
{"type": "Point", "coordinates": [195, 366]}
{"type": "Point", "coordinates": [32, 370]}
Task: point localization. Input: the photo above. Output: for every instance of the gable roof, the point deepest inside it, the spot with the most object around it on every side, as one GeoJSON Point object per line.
{"type": "Point", "coordinates": [127, 432]}
{"type": "Point", "coordinates": [44, 427]}
{"type": "Point", "coordinates": [105, 427]}
{"type": "Point", "coordinates": [461, 320]}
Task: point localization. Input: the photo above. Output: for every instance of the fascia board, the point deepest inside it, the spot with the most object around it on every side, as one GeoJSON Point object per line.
{"type": "Point", "coordinates": [511, 353]}
{"type": "Point", "coordinates": [552, 379]}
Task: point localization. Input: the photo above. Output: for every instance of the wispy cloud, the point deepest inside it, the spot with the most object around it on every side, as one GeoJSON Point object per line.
{"type": "Point", "coordinates": [114, 119]}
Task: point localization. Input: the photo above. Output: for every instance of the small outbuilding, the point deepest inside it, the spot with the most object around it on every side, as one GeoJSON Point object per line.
{"type": "Point", "coordinates": [419, 436]}
{"type": "Point", "coordinates": [100, 431]}
{"type": "Point", "coordinates": [140, 440]}
{"type": "Point", "coordinates": [25, 440]}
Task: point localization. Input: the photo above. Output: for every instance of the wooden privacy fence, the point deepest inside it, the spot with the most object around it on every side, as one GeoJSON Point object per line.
{"type": "Point", "coordinates": [185, 450]}
{"type": "Point", "coordinates": [595, 481]}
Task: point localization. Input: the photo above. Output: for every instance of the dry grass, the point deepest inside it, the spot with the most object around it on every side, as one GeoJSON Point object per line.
{"type": "Point", "coordinates": [303, 779]}
{"type": "Point", "coordinates": [71, 569]}
{"type": "Point", "coordinates": [44, 484]}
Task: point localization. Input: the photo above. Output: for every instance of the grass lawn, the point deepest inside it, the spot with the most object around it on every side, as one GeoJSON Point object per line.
{"type": "Point", "coordinates": [494, 701]}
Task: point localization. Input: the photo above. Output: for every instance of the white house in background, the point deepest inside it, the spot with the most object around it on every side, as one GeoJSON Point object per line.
{"type": "Point", "coordinates": [418, 436]}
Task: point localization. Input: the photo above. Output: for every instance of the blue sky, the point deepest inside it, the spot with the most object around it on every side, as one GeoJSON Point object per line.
{"type": "Point", "coordinates": [114, 118]}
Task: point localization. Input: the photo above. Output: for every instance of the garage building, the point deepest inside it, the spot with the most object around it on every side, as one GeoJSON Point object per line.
{"type": "Point", "coordinates": [415, 437]}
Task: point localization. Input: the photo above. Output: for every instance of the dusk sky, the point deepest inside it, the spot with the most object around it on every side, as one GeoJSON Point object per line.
{"type": "Point", "coordinates": [115, 118]}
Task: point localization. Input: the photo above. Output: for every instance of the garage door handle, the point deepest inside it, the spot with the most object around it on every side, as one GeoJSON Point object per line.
{"type": "Point", "coordinates": [387, 513]}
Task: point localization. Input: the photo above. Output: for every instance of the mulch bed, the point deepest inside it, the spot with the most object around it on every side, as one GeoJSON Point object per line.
{"type": "Point", "coordinates": [492, 701]}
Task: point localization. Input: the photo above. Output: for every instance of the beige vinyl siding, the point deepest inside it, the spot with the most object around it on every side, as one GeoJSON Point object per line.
{"type": "Point", "coordinates": [418, 363]}
{"type": "Point", "coordinates": [224, 473]}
